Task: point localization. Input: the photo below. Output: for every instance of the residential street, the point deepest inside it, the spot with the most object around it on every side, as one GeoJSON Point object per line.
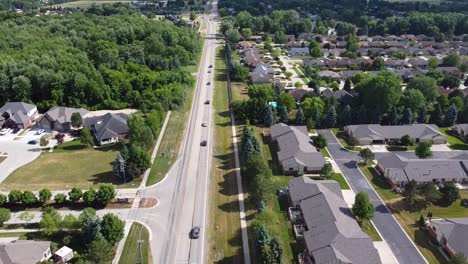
{"type": "Point", "coordinates": [403, 248]}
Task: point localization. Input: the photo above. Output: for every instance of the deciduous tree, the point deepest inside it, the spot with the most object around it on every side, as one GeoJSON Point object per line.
{"type": "Point", "coordinates": [362, 208]}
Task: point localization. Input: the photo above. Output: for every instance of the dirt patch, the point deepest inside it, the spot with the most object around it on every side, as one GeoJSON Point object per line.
{"type": "Point", "coordinates": [148, 202]}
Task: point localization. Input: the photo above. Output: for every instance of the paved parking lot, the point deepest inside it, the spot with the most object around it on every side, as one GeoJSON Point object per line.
{"type": "Point", "coordinates": [19, 152]}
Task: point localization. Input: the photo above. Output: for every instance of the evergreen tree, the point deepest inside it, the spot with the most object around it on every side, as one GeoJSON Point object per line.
{"type": "Point", "coordinates": [436, 115]}
{"type": "Point", "coordinates": [407, 116]}
{"type": "Point", "coordinates": [393, 116]}
{"type": "Point", "coordinates": [422, 115]}
{"type": "Point", "coordinates": [300, 119]}
{"type": "Point", "coordinates": [451, 115]}
{"type": "Point", "coordinates": [268, 117]}
{"type": "Point", "coordinates": [283, 115]}
{"type": "Point", "coordinates": [330, 118]}
{"type": "Point", "coordinates": [276, 251]}
{"type": "Point", "coordinates": [316, 116]}
{"type": "Point", "coordinates": [347, 85]}
{"type": "Point", "coordinates": [362, 115]}
{"type": "Point", "coordinates": [346, 116]}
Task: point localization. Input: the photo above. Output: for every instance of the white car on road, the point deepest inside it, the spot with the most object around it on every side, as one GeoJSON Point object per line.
{"type": "Point", "coordinates": [328, 160]}
{"type": "Point", "coordinates": [5, 131]}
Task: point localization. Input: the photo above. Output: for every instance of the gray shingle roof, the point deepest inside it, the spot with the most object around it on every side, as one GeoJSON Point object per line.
{"type": "Point", "coordinates": [333, 235]}
{"type": "Point", "coordinates": [423, 170]}
{"type": "Point", "coordinates": [455, 231]}
{"type": "Point", "coordinates": [294, 143]}
{"type": "Point", "coordinates": [23, 251]}
{"type": "Point", "coordinates": [421, 131]}
{"type": "Point", "coordinates": [107, 126]}
{"type": "Point", "coordinates": [63, 114]}
{"type": "Point", "coordinates": [17, 111]}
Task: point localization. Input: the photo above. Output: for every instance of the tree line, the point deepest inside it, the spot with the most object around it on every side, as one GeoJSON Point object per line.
{"type": "Point", "coordinates": [440, 25]}
{"type": "Point", "coordinates": [96, 198]}
{"type": "Point", "coordinates": [95, 61]}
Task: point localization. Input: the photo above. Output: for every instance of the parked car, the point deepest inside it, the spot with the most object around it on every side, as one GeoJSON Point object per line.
{"type": "Point", "coordinates": [15, 130]}
{"type": "Point", "coordinates": [327, 159]}
{"type": "Point", "coordinates": [209, 71]}
{"type": "Point", "coordinates": [203, 143]}
{"type": "Point", "coordinates": [211, 66]}
{"type": "Point", "coordinates": [208, 83]}
{"type": "Point", "coordinates": [195, 232]}
{"type": "Point", "coordinates": [4, 131]}
{"type": "Point", "coordinates": [33, 142]}
{"type": "Point", "coordinates": [40, 131]}
{"type": "Point", "coordinates": [207, 102]}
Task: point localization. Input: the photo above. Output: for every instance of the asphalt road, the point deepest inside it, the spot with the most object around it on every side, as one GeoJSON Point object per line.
{"type": "Point", "coordinates": [401, 245]}
{"type": "Point", "coordinates": [182, 195]}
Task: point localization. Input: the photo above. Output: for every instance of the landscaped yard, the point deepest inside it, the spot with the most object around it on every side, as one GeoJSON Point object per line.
{"type": "Point", "coordinates": [67, 167]}
{"type": "Point", "coordinates": [343, 139]}
{"type": "Point", "coordinates": [341, 180]}
{"type": "Point", "coordinates": [224, 232]}
{"type": "Point", "coordinates": [453, 141]}
{"type": "Point", "coordinates": [408, 218]}
{"type": "Point", "coordinates": [131, 252]}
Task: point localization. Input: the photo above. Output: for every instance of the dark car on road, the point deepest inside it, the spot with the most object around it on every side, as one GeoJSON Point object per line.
{"type": "Point", "coordinates": [33, 142]}
{"type": "Point", "coordinates": [211, 66]}
{"type": "Point", "coordinates": [195, 232]}
{"type": "Point", "coordinates": [203, 143]}
{"type": "Point", "coordinates": [15, 130]}
{"type": "Point", "coordinates": [207, 102]}
{"type": "Point", "coordinates": [208, 83]}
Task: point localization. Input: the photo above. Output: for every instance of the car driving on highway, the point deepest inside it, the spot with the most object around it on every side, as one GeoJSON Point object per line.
{"type": "Point", "coordinates": [195, 232]}
{"type": "Point", "coordinates": [203, 143]}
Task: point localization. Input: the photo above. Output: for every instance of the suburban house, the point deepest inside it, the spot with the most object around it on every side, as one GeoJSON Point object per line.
{"type": "Point", "coordinates": [298, 52]}
{"type": "Point", "coordinates": [378, 134]}
{"type": "Point", "coordinates": [63, 255]}
{"type": "Point", "coordinates": [461, 129]}
{"type": "Point", "coordinates": [59, 118]}
{"type": "Point", "coordinates": [108, 128]}
{"type": "Point", "coordinates": [330, 75]}
{"type": "Point", "coordinates": [17, 114]}
{"type": "Point", "coordinates": [324, 223]}
{"type": "Point", "coordinates": [24, 252]}
{"type": "Point", "coordinates": [400, 170]}
{"type": "Point", "coordinates": [261, 74]}
{"type": "Point", "coordinates": [296, 154]}
{"type": "Point", "coordinates": [451, 233]}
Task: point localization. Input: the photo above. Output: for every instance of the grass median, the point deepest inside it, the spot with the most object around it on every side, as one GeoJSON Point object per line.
{"type": "Point", "coordinates": [224, 232]}
{"type": "Point", "coordinates": [138, 236]}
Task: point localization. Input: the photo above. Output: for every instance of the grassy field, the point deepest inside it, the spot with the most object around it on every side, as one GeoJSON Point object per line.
{"type": "Point", "coordinates": [130, 253]}
{"type": "Point", "coordinates": [341, 180]}
{"type": "Point", "coordinates": [224, 232]}
{"type": "Point", "coordinates": [70, 166]}
{"type": "Point", "coordinates": [407, 217]}
{"type": "Point", "coordinates": [453, 141]}
{"type": "Point", "coordinates": [169, 149]}
{"type": "Point", "coordinates": [88, 3]}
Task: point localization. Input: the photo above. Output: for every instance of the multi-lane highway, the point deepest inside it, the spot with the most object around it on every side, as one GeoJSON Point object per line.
{"type": "Point", "coordinates": [182, 195]}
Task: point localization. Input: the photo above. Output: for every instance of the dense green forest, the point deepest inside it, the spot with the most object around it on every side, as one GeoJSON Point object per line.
{"type": "Point", "coordinates": [93, 61]}
{"type": "Point", "coordinates": [434, 21]}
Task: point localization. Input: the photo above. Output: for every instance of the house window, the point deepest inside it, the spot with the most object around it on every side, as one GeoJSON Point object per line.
{"type": "Point", "coordinates": [290, 169]}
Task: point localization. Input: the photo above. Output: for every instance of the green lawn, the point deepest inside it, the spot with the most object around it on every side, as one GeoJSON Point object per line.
{"type": "Point", "coordinates": [130, 253]}
{"type": "Point", "coordinates": [12, 234]}
{"type": "Point", "coordinates": [224, 231]}
{"type": "Point", "coordinates": [341, 180]}
{"type": "Point", "coordinates": [70, 167]}
{"type": "Point", "coordinates": [325, 152]}
{"type": "Point", "coordinates": [369, 229]}
{"type": "Point", "coordinates": [343, 139]}
{"type": "Point", "coordinates": [407, 217]}
{"type": "Point", "coordinates": [454, 141]}
{"type": "Point", "coordinates": [379, 183]}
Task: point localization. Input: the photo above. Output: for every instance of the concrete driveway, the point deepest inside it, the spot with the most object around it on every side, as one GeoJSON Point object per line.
{"type": "Point", "coordinates": [19, 152]}
{"type": "Point", "coordinates": [402, 246]}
